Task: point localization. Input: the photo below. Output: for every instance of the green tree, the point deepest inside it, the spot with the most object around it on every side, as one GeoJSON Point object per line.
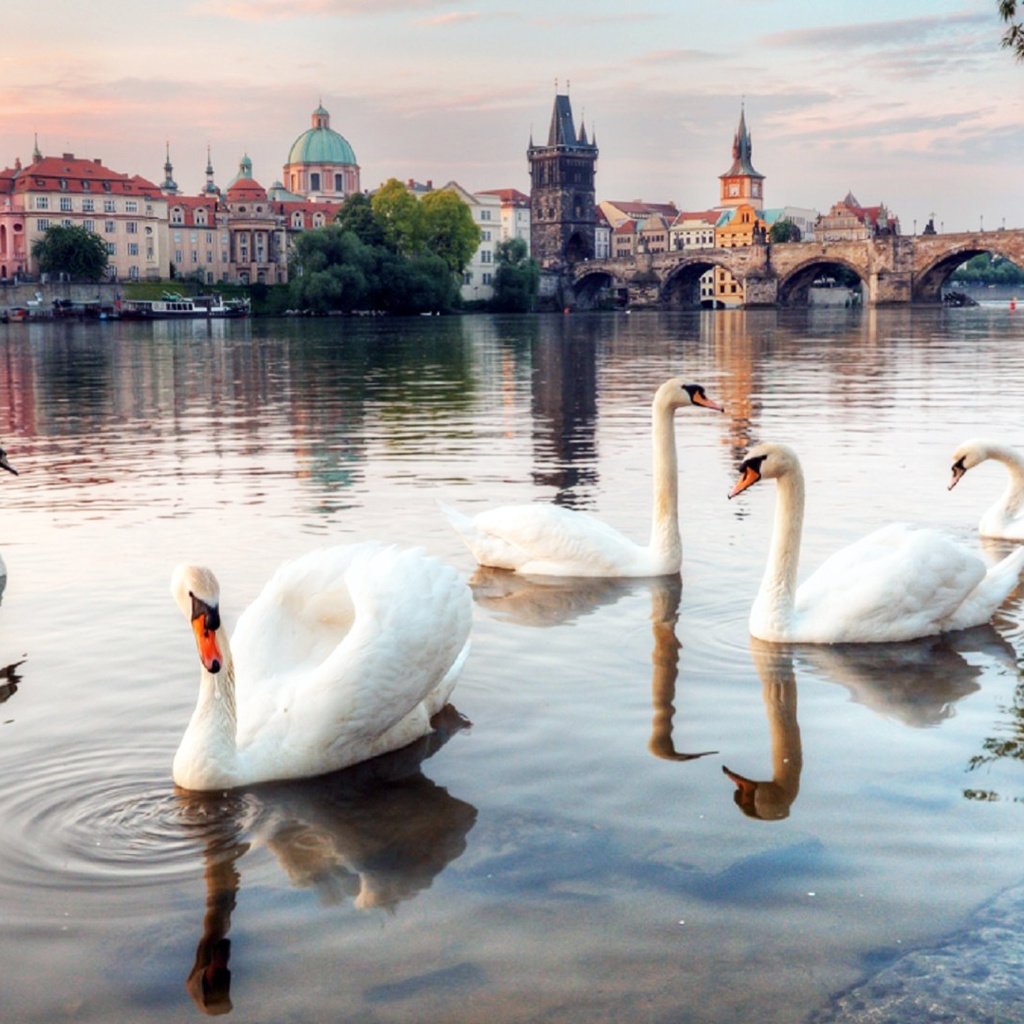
{"type": "Point", "coordinates": [784, 231]}
{"type": "Point", "coordinates": [331, 269]}
{"type": "Point", "coordinates": [357, 215]}
{"type": "Point", "coordinates": [516, 278]}
{"type": "Point", "coordinates": [400, 215]}
{"type": "Point", "coordinates": [1013, 37]}
{"type": "Point", "coordinates": [73, 251]}
{"type": "Point", "coordinates": [448, 229]}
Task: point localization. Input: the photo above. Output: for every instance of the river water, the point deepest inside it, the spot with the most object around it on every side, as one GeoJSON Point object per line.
{"type": "Point", "coordinates": [549, 856]}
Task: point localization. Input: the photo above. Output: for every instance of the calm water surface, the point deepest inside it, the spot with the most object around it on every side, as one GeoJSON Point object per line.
{"type": "Point", "coordinates": [551, 854]}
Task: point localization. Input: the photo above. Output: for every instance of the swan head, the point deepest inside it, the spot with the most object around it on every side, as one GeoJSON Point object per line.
{"type": "Point", "coordinates": [765, 462]}
{"type": "Point", "coordinates": [197, 593]}
{"type": "Point", "coordinates": [967, 456]}
{"type": "Point", "coordinates": [4, 464]}
{"type": "Point", "coordinates": [676, 392]}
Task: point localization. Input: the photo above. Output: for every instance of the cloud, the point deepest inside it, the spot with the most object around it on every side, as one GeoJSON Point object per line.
{"type": "Point", "coordinates": [871, 34]}
{"type": "Point", "coordinates": [450, 18]}
{"type": "Point", "coordinates": [290, 10]}
{"type": "Point", "coordinates": [656, 58]}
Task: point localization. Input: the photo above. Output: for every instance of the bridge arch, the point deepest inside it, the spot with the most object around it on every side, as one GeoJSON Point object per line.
{"type": "Point", "coordinates": [795, 286]}
{"type": "Point", "coordinates": [929, 280]}
{"type": "Point", "coordinates": [594, 288]}
{"type": "Point", "coordinates": [680, 286]}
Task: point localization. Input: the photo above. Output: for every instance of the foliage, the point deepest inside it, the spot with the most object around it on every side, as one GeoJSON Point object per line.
{"type": "Point", "coordinates": [448, 229]}
{"type": "Point", "coordinates": [516, 278]}
{"type": "Point", "coordinates": [987, 269]}
{"type": "Point", "coordinates": [1009, 745]}
{"type": "Point", "coordinates": [73, 251]}
{"type": "Point", "coordinates": [357, 215]}
{"type": "Point", "coordinates": [1013, 37]}
{"type": "Point", "coordinates": [400, 215]}
{"type": "Point", "coordinates": [784, 231]}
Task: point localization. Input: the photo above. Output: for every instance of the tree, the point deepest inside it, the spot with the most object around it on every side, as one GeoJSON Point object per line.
{"type": "Point", "coordinates": [516, 279]}
{"type": "Point", "coordinates": [400, 215]}
{"type": "Point", "coordinates": [1013, 38]}
{"type": "Point", "coordinates": [448, 229]}
{"type": "Point", "coordinates": [331, 270]}
{"type": "Point", "coordinates": [357, 215]}
{"type": "Point", "coordinates": [784, 231]}
{"type": "Point", "coordinates": [80, 254]}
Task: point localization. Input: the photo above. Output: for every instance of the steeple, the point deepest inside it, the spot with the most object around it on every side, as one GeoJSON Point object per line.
{"type": "Point", "coordinates": [36, 155]}
{"type": "Point", "coordinates": [741, 183]}
{"type": "Point", "coordinates": [209, 188]}
{"type": "Point", "coordinates": [170, 186]}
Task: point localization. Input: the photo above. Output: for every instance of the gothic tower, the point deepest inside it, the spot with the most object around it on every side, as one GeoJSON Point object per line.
{"type": "Point", "coordinates": [741, 183]}
{"type": "Point", "coordinates": [562, 206]}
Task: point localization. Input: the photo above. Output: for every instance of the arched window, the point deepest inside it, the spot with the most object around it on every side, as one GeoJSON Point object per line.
{"type": "Point", "coordinates": [314, 182]}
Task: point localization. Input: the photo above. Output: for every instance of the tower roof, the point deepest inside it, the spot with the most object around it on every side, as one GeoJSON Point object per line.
{"type": "Point", "coordinates": [741, 152]}
{"type": "Point", "coordinates": [562, 131]}
{"type": "Point", "coordinates": [320, 144]}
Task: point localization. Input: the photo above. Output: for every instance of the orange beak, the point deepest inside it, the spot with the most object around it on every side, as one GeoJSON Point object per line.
{"type": "Point", "coordinates": [206, 642]}
{"type": "Point", "coordinates": [958, 472]}
{"type": "Point", "coordinates": [748, 479]}
{"type": "Point", "coordinates": [703, 400]}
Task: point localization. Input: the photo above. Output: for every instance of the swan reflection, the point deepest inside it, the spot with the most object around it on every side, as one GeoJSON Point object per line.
{"type": "Point", "coordinates": [555, 600]}
{"type": "Point", "coordinates": [918, 682]}
{"type": "Point", "coordinates": [771, 799]}
{"type": "Point", "coordinates": [9, 679]}
{"type": "Point", "coordinates": [378, 834]}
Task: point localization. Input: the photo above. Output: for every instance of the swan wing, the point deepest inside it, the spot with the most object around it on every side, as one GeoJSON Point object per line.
{"type": "Point", "coordinates": [896, 583]}
{"type": "Point", "coordinates": [352, 643]}
{"type": "Point", "coordinates": [548, 540]}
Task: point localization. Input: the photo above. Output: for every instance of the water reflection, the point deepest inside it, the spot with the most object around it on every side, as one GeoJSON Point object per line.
{"type": "Point", "coordinates": [375, 834]}
{"type": "Point", "coordinates": [9, 679]}
{"type": "Point", "coordinates": [552, 600]}
{"type": "Point", "coordinates": [917, 682]}
{"type": "Point", "coordinates": [771, 799]}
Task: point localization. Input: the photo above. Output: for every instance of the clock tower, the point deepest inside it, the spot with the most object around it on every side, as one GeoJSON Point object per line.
{"type": "Point", "coordinates": [741, 183]}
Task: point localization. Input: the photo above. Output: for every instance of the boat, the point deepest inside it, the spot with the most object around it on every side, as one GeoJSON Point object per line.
{"type": "Point", "coordinates": [173, 306]}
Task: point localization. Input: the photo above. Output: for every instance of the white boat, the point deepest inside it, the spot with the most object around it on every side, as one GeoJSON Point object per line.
{"type": "Point", "coordinates": [173, 306]}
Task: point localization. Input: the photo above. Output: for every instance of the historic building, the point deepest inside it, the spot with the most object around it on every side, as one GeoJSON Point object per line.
{"type": "Point", "coordinates": [515, 213]}
{"type": "Point", "coordinates": [321, 164]}
{"type": "Point", "coordinates": [127, 211]}
{"type": "Point", "coordinates": [562, 206]}
{"type": "Point", "coordinates": [741, 183]}
{"type": "Point", "coordinates": [848, 221]}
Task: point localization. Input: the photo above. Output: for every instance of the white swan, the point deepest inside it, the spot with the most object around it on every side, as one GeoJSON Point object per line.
{"type": "Point", "coordinates": [4, 464]}
{"type": "Point", "coordinates": [345, 654]}
{"type": "Point", "coordinates": [548, 540]}
{"type": "Point", "coordinates": [1005, 519]}
{"type": "Point", "coordinates": [898, 583]}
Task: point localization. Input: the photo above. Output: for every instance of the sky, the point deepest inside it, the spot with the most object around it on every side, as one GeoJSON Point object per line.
{"type": "Point", "coordinates": [911, 103]}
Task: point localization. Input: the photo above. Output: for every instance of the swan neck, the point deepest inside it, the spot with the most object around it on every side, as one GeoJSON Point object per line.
{"type": "Point", "coordinates": [774, 605]}
{"type": "Point", "coordinates": [665, 540]}
{"type": "Point", "coordinates": [1012, 500]}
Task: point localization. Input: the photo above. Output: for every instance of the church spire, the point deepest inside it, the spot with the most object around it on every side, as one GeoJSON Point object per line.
{"type": "Point", "coordinates": [169, 186]}
{"type": "Point", "coordinates": [36, 155]}
{"type": "Point", "coordinates": [209, 188]}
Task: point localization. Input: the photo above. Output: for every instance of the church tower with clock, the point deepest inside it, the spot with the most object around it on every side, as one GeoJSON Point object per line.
{"type": "Point", "coordinates": [741, 183]}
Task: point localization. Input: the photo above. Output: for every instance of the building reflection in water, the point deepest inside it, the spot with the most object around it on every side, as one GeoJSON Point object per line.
{"type": "Point", "coordinates": [564, 410]}
{"type": "Point", "coordinates": [376, 834]}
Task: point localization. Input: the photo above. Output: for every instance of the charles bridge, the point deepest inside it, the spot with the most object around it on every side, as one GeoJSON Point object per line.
{"type": "Point", "coordinates": [892, 269]}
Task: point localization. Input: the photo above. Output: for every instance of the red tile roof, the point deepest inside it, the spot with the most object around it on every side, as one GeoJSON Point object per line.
{"type": "Point", "coordinates": [68, 173]}
{"type": "Point", "coordinates": [508, 196]}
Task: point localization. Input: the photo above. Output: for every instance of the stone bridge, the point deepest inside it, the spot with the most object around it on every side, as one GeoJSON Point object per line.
{"type": "Point", "coordinates": [892, 269]}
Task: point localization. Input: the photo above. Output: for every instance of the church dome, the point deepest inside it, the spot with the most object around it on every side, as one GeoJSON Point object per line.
{"type": "Point", "coordinates": [320, 144]}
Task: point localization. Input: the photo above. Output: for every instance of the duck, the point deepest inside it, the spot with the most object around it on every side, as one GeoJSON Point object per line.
{"type": "Point", "coordinates": [346, 653]}
{"type": "Point", "coordinates": [1005, 519]}
{"type": "Point", "coordinates": [898, 583]}
{"type": "Point", "coordinates": [5, 464]}
{"type": "Point", "coordinates": [549, 540]}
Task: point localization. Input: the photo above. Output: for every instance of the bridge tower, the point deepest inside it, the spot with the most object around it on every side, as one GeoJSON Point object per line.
{"type": "Point", "coordinates": [741, 183]}
{"type": "Point", "coordinates": [563, 213]}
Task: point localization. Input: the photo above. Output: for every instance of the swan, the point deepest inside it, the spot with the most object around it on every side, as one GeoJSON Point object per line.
{"type": "Point", "coordinates": [548, 540]}
{"type": "Point", "coordinates": [898, 583]}
{"type": "Point", "coordinates": [4, 464]}
{"type": "Point", "coordinates": [345, 654]}
{"type": "Point", "coordinates": [1005, 519]}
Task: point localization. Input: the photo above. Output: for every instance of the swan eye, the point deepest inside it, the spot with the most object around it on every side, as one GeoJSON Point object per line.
{"type": "Point", "coordinates": [754, 464]}
{"type": "Point", "coordinates": [210, 614]}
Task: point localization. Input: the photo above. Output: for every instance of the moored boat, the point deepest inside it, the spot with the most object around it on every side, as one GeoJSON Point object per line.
{"type": "Point", "coordinates": [173, 307]}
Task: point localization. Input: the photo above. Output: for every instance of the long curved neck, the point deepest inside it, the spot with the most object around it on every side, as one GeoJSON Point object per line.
{"type": "Point", "coordinates": [665, 540]}
{"type": "Point", "coordinates": [773, 607]}
{"type": "Point", "coordinates": [208, 750]}
{"type": "Point", "coordinates": [1010, 504]}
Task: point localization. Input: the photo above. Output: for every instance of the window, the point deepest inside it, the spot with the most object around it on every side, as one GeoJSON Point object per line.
{"type": "Point", "coordinates": [131, 206]}
{"type": "Point", "coordinates": [109, 206]}
{"type": "Point", "coordinates": [133, 273]}
{"type": "Point", "coordinates": [88, 205]}
{"type": "Point", "coordinates": [43, 224]}
{"type": "Point", "coordinates": [486, 236]}
{"type": "Point", "coordinates": [86, 186]}
{"type": "Point", "coordinates": [177, 216]}
{"type": "Point", "coordinates": [339, 183]}
{"type": "Point", "coordinates": [89, 225]}
{"type": "Point", "coordinates": [177, 236]}
{"type": "Point", "coordinates": [485, 256]}
{"type": "Point", "coordinates": [111, 248]}
{"type": "Point", "coordinates": [314, 182]}
{"type": "Point", "coordinates": [42, 202]}
{"type": "Point", "coordinates": [487, 278]}
{"type": "Point", "coordinates": [467, 277]}
{"type": "Point", "coordinates": [109, 227]}
{"type": "Point", "coordinates": [485, 214]}
{"type": "Point", "coordinates": [65, 204]}
{"type": "Point", "coordinates": [133, 248]}
{"type": "Point", "coordinates": [177, 255]}
{"type": "Point", "coordinates": [195, 257]}
{"type": "Point", "coordinates": [63, 184]}
{"type": "Point", "coordinates": [66, 222]}
{"type": "Point", "coordinates": [209, 257]}
{"type": "Point", "coordinates": [131, 227]}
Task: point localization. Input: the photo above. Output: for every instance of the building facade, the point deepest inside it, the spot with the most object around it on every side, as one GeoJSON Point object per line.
{"type": "Point", "coordinates": [321, 164]}
{"type": "Point", "coordinates": [562, 197]}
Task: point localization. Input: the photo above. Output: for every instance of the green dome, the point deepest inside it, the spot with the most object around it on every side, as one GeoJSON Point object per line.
{"type": "Point", "coordinates": [321, 144]}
